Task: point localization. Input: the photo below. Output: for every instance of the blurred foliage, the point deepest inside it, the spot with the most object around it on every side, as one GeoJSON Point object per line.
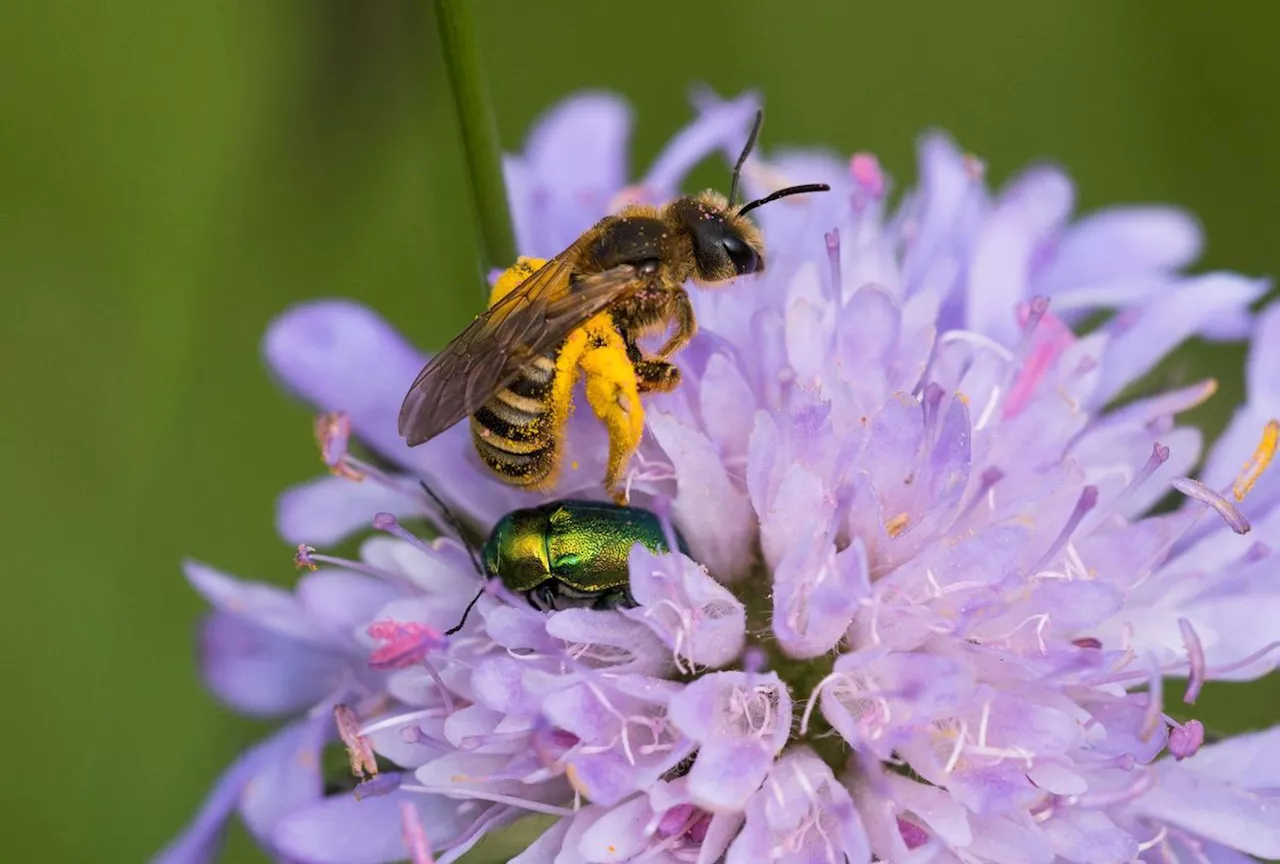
{"type": "Point", "coordinates": [172, 175]}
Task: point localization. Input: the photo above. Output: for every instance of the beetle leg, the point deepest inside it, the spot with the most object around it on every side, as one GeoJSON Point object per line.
{"type": "Point", "coordinates": [543, 597]}
{"type": "Point", "coordinates": [613, 391]}
{"type": "Point", "coordinates": [617, 598]}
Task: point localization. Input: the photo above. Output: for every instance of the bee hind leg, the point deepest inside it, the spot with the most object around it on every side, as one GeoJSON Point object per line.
{"type": "Point", "coordinates": [613, 391]}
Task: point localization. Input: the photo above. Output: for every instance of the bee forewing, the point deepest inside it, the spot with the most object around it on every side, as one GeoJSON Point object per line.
{"type": "Point", "coordinates": [530, 321]}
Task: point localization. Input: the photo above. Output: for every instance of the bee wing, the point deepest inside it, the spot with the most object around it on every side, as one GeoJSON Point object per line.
{"type": "Point", "coordinates": [529, 322]}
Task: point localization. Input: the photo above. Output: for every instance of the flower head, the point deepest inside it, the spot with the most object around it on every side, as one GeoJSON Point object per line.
{"type": "Point", "coordinates": [926, 611]}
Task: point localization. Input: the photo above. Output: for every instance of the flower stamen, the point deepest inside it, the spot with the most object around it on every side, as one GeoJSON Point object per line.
{"type": "Point", "coordinates": [303, 557]}
{"type": "Point", "coordinates": [333, 434]}
{"type": "Point", "coordinates": [1186, 739]}
{"type": "Point", "coordinates": [1155, 704]}
{"type": "Point", "coordinates": [471, 792]}
{"type": "Point", "coordinates": [1159, 455]}
{"type": "Point", "coordinates": [1195, 660]}
{"type": "Point", "coordinates": [1202, 493]}
{"type": "Point", "coordinates": [364, 766]}
{"type": "Point", "coordinates": [1258, 463]}
{"type": "Point", "coordinates": [1087, 501]}
{"type": "Point", "coordinates": [832, 239]}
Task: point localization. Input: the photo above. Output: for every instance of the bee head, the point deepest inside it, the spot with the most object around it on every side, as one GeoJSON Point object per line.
{"type": "Point", "coordinates": [724, 245]}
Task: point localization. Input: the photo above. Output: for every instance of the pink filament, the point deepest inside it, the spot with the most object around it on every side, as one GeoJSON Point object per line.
{"type": "Point", "coordinates": [415, 838]}
{"type": "Point", "coordinates": [406, 643]}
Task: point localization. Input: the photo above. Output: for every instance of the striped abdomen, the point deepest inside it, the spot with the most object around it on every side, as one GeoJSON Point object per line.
{"type": "Point", "coordinates": [515, 432]}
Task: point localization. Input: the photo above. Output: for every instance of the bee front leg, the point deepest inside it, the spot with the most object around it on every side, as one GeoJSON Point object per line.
{"type": "Point", "coordinates": [656, 376]}
{"type": "Point", "coordinates": [681, 313]}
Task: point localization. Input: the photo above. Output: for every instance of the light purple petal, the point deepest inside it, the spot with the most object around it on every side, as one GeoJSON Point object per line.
{"type": "Point", "coordinates": [816, 593]}
{"type": "Point", "coordinates": [327, 510]}
{"type": "Point", "coordinates": [582, 143]}
{"type": "Point", "coordinates": [1141, 337]}
{"type": "Point", "coordinates": [1088, 837]}
{"type": "Point", "coordinates": [1012, 839]}
{"type": "Point", "coordinates": [1121, 243]}
{"type": "Point", "coordinates": [440, 568]}
{"type": "Point", "coordinates": [1250, 761]}
{"type": "Point", "coordinates": [808, 341]}
{"type": "Point", "coordinates": [741, 721]}
{"type": "Point", "coordinates": [261, 672]}
{"type": "Point", "coordinates": [714, 514]}
{"type": "Point", "coordinates": [1212, 853]}
{"type": "Point", "coordinates": [950, 194]}
{"type": "Point", "coordinates": [870, 325]}
{"type": "Point", "coordinates": [606, 629]}
{"type": "Point", "coordinates": [578, 825]}
{"type": "Point", "coordinates": [265, 605]}
{"type": "Point", "coordinates": [546, 849]}
{"type": "Point", "coordinates": [1263, 369]}
{"type": "Point", "coordinates": [1028, 213]}
{"type": "Point", "coordinates": [341, 356]}
{"type": "Point", "coordinates": [612, 723]}
{"type": "Point", "coordinates": [342, 829]}
{"type": "Point", "coordinates": [721, 125]}
{"type": "Point", "coordinates": [200, 841]}
{"type": "Point", "coordinates": [290, 782]}
{"type": "Point", "coordinates": [802, 809]}
{"type": "Point", "coordinates": [343, 601]}
{"type": "Point", "coordinates": [1237, 443]}
{"type": "Point", "coordinates": [1223, 809]}
{"type": "Point", "coordinates": [574, 161]}
{"type": "Point", "coordinates": [619, 834]}
{"type": "Point", "coordinates": [728, 406]}
{"type": "Point", "coordinates": [800, 511]}
{"type": "Point", "coordinates": [694, 615]}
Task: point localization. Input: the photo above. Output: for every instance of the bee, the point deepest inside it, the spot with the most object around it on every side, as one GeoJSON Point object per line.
{"type": "Point", "coordinates": [514, 368]}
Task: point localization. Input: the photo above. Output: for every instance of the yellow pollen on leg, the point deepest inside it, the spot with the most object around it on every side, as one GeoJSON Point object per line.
{"type": "Point", "coordinates": [1257, 463]}
{"type": "Point", "coordinates": [614, 396]}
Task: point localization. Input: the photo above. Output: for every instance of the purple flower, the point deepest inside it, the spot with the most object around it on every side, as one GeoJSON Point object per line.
{"type": "Point", "coordinates": [928, 613]}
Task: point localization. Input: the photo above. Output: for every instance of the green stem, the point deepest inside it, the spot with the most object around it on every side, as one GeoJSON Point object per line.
{"type": "Point", "coordinates": [479, 131]}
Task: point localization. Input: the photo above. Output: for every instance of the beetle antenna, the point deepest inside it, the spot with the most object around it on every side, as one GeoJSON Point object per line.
{"type": "Point", "coordinates": [455, 525]}
{"type": "Point", "coordinates": [783, 193]}
{"type": "Point", "coordinates": [465, 613]}
{"type": "Point", "coordinates": [746, 151]}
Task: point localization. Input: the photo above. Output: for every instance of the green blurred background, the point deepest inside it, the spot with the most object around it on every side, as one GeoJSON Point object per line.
{"type": "Point", "coordinates": [172, 175]}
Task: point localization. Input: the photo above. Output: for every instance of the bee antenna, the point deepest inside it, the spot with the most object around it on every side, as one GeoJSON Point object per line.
{"type": "Point", "coordinates": [455, 525]}
{"type": "Point", "coordinates": [465, 613]}
{"type": "Point", "coordinates": [783, 193]}
{"type": "Point", "coordinates": [746, 151]}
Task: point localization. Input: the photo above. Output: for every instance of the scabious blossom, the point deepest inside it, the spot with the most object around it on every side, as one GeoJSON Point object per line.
{"type": "Point", "coordinates": [929, 611]}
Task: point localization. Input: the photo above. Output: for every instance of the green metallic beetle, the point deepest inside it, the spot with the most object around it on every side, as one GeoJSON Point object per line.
{"type": "Point", "coordinates": [566, 554]}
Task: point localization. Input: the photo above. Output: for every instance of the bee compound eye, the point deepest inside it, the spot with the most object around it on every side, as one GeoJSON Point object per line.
{"type": "Point", "coordinates": [744, 258]}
